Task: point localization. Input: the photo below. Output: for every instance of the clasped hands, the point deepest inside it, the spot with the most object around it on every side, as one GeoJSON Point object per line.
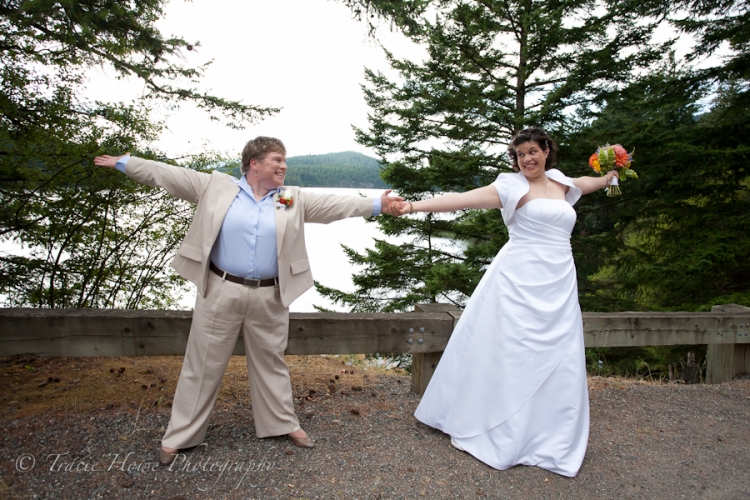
{"type": "Point", "coordinates": [394, 205]}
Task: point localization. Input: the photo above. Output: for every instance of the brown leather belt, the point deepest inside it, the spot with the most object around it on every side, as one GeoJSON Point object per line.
{"type": "Point", "coordinates": [242, 281]}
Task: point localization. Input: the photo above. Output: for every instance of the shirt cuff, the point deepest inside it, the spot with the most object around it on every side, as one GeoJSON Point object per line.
{"type": "Point", "coordinates": [120, 165]}
{"type": "Point", "coordinates": [376, 206]}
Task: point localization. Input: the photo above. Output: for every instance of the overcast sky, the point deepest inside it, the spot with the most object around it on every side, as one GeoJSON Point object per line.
{"type": "Point", "coordinates": [304, 56]}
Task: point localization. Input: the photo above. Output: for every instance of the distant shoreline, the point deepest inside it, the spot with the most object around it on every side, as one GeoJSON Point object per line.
{"type": "Point", "coordinates": [347, 169]}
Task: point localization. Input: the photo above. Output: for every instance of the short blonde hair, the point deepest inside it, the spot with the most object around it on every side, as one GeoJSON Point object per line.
{"type": "Point", "coordinates": [258, 148]}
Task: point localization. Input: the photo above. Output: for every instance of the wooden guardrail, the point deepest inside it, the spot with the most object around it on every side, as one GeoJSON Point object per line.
{"type": "Point", "coordinates": [424, 334]}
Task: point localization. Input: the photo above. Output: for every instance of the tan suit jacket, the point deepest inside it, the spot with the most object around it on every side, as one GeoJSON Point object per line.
{"type": "Point", "coordinates": [214, 194]}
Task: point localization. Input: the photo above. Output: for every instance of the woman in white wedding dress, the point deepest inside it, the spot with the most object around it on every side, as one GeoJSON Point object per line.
{"type": "Point", "coordinates": [510, 388]}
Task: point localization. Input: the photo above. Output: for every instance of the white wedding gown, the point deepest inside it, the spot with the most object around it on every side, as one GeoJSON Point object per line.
{"type": "Point", "coordinates": [510, 387]}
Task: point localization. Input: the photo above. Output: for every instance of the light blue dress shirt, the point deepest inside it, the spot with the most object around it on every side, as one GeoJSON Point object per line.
{"type": "Point", "coordinates": [246, 245]}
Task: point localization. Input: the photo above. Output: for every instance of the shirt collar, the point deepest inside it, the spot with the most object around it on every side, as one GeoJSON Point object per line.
{"type": "Point", "coordinates": [242, 183]}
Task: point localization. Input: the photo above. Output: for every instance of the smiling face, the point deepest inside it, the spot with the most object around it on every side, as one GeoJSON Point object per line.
{"type": "Point", "coordinates": [267, 173]}
{"type": "Point", "coordinates": [531, 159]}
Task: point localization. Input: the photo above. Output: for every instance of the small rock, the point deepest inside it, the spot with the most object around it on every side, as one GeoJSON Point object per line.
{"type": "Point", "coordinates": [289, 452]}
{"type": "Point", "coordinates": [356, 388]}
{"type": "Point", "coordinates": [354, 411]}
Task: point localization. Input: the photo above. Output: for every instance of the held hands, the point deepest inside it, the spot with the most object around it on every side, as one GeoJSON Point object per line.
{"type": "Point", "coordinates": [402, 208]}
{"type": "Point", "coordinates": [107, 161]}
{"type": "Point", "coordinates": [395, 205]}
{"type": "Point", "coordinates": [389, 204]}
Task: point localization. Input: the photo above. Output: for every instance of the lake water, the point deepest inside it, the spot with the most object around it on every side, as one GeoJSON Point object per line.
{"type": "Point", "coordinates": [328, 262]}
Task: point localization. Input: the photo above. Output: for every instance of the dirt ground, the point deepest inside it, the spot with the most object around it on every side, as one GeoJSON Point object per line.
{"type": "Point", "coordinates": [89, 428]}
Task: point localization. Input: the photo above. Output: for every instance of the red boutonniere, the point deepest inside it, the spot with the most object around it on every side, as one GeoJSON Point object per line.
{"type": "Point", "coordinates": [286, 200]}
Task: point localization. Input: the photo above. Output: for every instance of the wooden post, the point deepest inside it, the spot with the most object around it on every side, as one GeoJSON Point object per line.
{"type": "Point", "coordinates": [423, 364]}
{"type": "Point", "coordinates": [725, 361]}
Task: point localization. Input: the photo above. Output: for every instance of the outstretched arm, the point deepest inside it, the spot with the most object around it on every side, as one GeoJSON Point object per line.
{"type": "Point", "coordinates": [180, 182]}
{"type": "Point", "coordinates": [590, 184]}
{"type": "Point", "coordinates": [483, 197]}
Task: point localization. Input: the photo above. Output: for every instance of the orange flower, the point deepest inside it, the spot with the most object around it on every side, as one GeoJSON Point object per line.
{"type": "Point", "coordinates": [622, 158]}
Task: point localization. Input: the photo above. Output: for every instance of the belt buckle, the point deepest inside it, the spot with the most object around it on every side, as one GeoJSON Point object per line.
{"type": "Point", "coordinates": [251, 282]}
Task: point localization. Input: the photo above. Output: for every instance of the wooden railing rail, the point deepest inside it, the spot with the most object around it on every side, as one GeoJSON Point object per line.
{"type": "Point", "coordinates": [424, 334]}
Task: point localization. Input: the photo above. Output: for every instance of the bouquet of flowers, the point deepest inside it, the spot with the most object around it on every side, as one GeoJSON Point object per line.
{"type": "Point", "coordinates": [609, 158]}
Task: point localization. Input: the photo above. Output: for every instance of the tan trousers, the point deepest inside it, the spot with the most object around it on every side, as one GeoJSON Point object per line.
{"type": "Point", "coordinates": [226, 310]}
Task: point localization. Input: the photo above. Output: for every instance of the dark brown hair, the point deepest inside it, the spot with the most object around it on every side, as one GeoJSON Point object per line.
{"type": "Point", "coordinates": [258, 148]}
{"type": "Point", "coordinates": [540, 137]}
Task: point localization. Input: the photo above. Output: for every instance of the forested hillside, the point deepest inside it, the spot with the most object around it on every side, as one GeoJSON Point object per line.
{"type": "Point", "coordinates": [346, 170]}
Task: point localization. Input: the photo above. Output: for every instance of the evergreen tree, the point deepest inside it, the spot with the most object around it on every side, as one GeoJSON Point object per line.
{"type": "Point", "coordinates": [679, 237]}
{"type": "Point", "coordinates": [492, 68]}
{"type": "Point", "coordinates": [91, 238]}
{"type": "Point", "coordinates": [678, 240]}
{"type": "Point", "coordinates": [718, 26]}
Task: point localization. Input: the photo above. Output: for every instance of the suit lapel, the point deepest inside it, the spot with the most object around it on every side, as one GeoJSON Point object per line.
{"type": "Point", "coordinates": [281, 219]}
{"type": "Point", "coordinates": [227, 194]}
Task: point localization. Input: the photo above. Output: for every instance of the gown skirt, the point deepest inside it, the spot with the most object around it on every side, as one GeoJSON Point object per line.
{"type": "Point", "coordinates": [511, 388]}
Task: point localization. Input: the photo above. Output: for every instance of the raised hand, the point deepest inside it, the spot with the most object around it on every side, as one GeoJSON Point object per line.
{"type": "Point", "coordinates": [107, 161]}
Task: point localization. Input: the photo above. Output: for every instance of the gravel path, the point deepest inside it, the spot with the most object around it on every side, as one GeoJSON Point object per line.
{"type": "Point", "coordinates": [647, 441]}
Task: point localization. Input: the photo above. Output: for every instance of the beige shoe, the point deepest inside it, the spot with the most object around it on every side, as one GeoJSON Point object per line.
{"type": "Point", "coordinates": [166, 457]}
{"type": "Point", "coordinates": [305, 442]}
